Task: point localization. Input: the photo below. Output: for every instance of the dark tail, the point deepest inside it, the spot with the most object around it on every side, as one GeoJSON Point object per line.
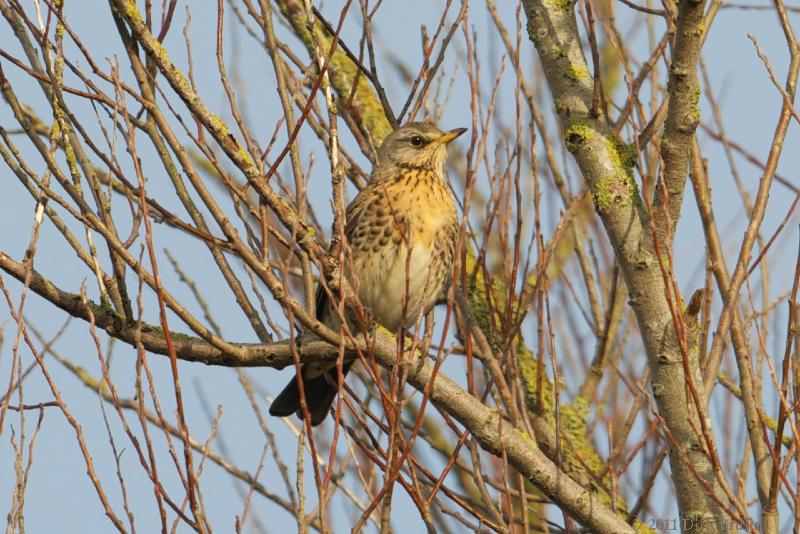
{"type": "Point", "coordinates": [320, 392]}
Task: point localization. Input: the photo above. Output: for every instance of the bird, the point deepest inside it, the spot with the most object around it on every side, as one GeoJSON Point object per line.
{"type": "Point", "coordinates": [401, 230]}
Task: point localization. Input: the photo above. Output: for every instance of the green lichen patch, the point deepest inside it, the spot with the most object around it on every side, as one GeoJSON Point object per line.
{"type": "Point", "coordinates": [619, 188]}
{"type": "Point", "coordinates": [578, 450]}
{"type": "Point", "coordinates": [623, 156]}
{"type": "Point", "coordinates": [577, 73]}
{"type": "Point", "coordinates": [480, 292]}
{"type": "Point", "coordinates": [525, 436]}
{"type": "Point", "coordinates": [642, 527]}
{"type": "Point", "coordinates": [532, 33]}
{"type": "Point", "coordinates": [577, 135]}
{"type": "Point", "coordinates": [693, 116]}
{"type": "Point", "coordinates": [310, 235]}
{"type": "Point", "coordinates": [380, 329]}
{"type": "Point", "coordinates": [564, 6]}
{"type": "Point", "coordinates": [218, 124]}
{"type": "Point", "coordinates": [131, 11]}
{"type": "Point", "coordinates": [364, 101]}
{"type": "Point", "coordinates": [701, 28]}
{"type": "Point", "coordinates": [529, 370]}
{"type": "Point", "coordinates": [615, 190]}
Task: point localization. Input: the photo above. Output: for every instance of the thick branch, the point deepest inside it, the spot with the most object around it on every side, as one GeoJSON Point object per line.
{"type": "Point", "coordinates": [361, 101]}
{"type": "Point", "coordinates": [683, 116]}
{"type": "Point", "coordinates": [607, 166]}
{"type": "Point", "coordinates": [188, 348]}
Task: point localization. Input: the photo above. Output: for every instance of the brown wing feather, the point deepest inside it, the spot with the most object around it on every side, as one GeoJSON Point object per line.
{"type": "Point", "coordinates": [356, 208]}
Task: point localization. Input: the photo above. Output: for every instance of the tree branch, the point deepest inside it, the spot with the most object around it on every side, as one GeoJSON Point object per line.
{"type": "Point", "coordinates": [495, 434]}
{"type": "Point", "coordinates": [607, 166]}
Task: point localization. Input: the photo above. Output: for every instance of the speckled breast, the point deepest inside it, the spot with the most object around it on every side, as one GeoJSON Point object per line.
{"type": "Point", "coordinates": [403, 243]}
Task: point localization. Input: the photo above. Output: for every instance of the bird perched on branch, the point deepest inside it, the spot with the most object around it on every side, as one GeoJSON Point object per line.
{"type": "Point", "coordinates": [401, 230]}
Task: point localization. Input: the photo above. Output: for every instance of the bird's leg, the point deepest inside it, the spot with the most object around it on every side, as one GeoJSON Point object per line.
{"type": "Point", "coordinates": [427, 337]}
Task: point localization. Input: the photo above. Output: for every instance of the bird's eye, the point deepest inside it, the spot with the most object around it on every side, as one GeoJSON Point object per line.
{"type": "Point", "coordinates": [416, 140]}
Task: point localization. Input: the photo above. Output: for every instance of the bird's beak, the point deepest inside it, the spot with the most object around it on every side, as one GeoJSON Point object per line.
{"type": "Point", "coordinates": [449, 136]}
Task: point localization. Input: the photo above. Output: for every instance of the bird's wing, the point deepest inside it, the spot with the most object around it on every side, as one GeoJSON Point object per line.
{"type": "Point", "coordinates": [357, 207]}
{"type": "Point", "coordinates": [353, 212]}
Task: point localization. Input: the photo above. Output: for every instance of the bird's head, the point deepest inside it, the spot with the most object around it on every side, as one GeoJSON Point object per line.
{"type": "Point", "coordinates": [418, 145]}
